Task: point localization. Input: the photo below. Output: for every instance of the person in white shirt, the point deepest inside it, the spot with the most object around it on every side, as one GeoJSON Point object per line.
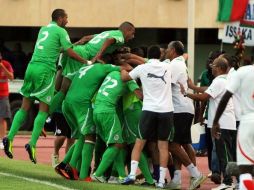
{"type": "Point", "coordinates": [156, 122]}
{"type": "Point", "coordinates": [183, 116]}
{"type": "Point", "coordinates": [227, 122]}
{"type": "Point", "coordinates": [241, 82]}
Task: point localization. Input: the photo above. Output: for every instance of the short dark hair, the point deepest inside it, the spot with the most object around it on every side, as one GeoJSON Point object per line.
{"type": "Point", "coordinates": [178, 46]}
{"type": "Point", "coordinates": [154, 52]}
{"type": "Point", "coordinates": [125, 25]}
{"type": "Point", "coordinates": [57, 13]}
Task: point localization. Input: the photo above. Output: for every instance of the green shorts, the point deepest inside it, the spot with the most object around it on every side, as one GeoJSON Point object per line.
{"type": "Point", "coordinates": [79, 117]}
{"type": "Point", "coordinates": [39, 83]}
{"type": "Point", "coordinates": [108, 127]}
{"type": "Point", "coordinates": [72, 65]}
{"type": "Point", "coordinates": [131, 122]}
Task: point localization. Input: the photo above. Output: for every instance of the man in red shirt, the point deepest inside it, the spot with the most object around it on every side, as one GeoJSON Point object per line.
{"type": "Point", "coordinates": [6, 72]}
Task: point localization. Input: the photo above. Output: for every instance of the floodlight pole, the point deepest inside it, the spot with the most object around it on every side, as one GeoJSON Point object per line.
{"type": "Point", "coordinates": [191, 38]}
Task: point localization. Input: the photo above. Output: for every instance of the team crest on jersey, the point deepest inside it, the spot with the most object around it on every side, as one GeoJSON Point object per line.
{"type": "Point", "coordinates": [48, 98]}
{"type": "Point", "coordinates": [116, 137]}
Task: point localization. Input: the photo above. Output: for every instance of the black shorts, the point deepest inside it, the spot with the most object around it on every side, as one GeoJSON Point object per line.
{"type": "Point", "coordinates": [156, 126]}
{"type": "Point", "coordinates": [182, 124]}
{"type": "Point", "coordinates": [62, 127]}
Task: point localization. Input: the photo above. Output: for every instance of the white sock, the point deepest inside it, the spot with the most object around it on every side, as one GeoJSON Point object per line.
{"type": "Point", "coordinates": [243, 177]}
{"type": "Point", "coordinates": [134, 166]}
{"type": "Point", "coordinates": [162, 175]}
{"type": "Point", "coordinates": [193, 170]}
{"type": "Point", "coordinates": [177, 177]}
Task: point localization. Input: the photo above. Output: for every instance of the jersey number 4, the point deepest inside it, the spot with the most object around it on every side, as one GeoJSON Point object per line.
{"type": "Point", "coordinates": [105, 85]}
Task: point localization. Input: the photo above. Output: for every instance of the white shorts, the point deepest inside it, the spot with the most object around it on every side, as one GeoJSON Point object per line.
{"type": "Point", "coordinates": [245, 142]}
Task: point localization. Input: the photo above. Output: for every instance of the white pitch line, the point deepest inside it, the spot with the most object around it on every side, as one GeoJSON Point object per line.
{"type": "Point", "coordinates": [37, 181]}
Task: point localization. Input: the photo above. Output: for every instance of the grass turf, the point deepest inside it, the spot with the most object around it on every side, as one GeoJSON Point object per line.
{"type": "Point", "coordinates": [44, 174]}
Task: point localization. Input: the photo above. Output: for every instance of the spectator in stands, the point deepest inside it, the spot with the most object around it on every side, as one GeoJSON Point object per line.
{"type": "Point", "coordinates": [6, 72]}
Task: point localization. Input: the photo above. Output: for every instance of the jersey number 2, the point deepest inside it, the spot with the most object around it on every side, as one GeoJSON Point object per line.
{"type": "Point", "coordinates": [45, 36]}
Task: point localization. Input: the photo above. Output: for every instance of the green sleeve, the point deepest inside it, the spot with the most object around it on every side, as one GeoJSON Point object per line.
{"type": "Point", "coordinates": [65, 40]}
{"type": "Point", "coordinates": [132, 85]}
{"type": "Point", "coordinates": [118, 37]}
{"type": "Point", "coordinates": [109, 68]}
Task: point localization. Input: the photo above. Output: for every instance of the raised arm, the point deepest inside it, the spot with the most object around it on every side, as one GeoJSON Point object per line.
{"type": "Point", "coordinates": [75, 56]}
{"type": "Point", "coordinates": [84, 40]}
{"type": "Point", "coordinates": [106, 44]}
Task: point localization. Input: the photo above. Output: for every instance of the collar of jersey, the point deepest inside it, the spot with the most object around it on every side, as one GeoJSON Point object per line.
{"type": "Point", "coordinates": [52, 23]}
{"type": "Point", "coordinates": [153, 60]}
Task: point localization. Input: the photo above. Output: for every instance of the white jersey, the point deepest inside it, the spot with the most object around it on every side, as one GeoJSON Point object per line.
{"type": "Point", "coordinates": [236, 96]}
{"type": "Point", "coordinates": [180, 75]}
{"type": "Point", "coordinates": [216, 90]}
{"type": "Point", "coordinates": [242, 82]}
{"type": "Point", "coordinates": [155, 77]}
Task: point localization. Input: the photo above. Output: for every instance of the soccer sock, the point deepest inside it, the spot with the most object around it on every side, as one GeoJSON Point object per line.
{"type": "Point", "coordinates": [171, 169]}
{"type": "Point", "coordinates": [107, 159]}
{"type": "Point", "coordinates": [156, 172]}
{"type": "Point", "coordinates": [78, 165]}
{"type": "Point", "coordinates": [38, 125]}
{"type": "Point", "coordinates": [87, 155]}
{"type": "Point", "coordinates": [77, 151]}
{"type": "Point", "coordinates": [119, 163]}
{"type": "Point", "coordinates": [244, 177]}
{"type": "Point", "coordinates": [143, 165]}
{"type": "Point", "coordinates": [56, 101]}
{"type": "Point", "coordinates": [68, 155]}
{"type": "Point", "coordinates": [18, 120]}
{"type": "Point", "coordinates": [193, 170]}
{"type": "Point", "coordinates": [134, 167]}
{"type": "Point", "coordinates": [177, 177]}
{"type": "Point", "coordinates": [99, 150]}
{"type": "Point", "coordinates": [162, 175]}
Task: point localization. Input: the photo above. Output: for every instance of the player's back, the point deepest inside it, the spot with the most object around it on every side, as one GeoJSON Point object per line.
{"type": "Point", "coordinates": [49, 42]}
{"type": "Point", "coordinates": [95, 44]}
{"type": "Point", "coordinates": [110, 91]}
{"type": "Point", "coordinates": [87, 81]}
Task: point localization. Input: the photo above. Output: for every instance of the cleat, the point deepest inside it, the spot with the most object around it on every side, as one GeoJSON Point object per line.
{"type": "Point", "coordinates": [31, 152]}
{"type": "Point", "coordinates": [98, 179]}
{"type": "Point", "coordinates": [54, 160]}
{"type": "Point", "coordinates": [88, 179]}
{"type": "Point", "coordinates": [146, 184]}
{"type": "Point", "coordinates": [59, 169]}
{"type": "Point", "coordinates": [216, 178]}
{"type": "Point", "coordinates": [223, 186]}
{"type": "Point", "coordinates": [130, 179]}
{"type": "Point", "coordinates": [7, 147]}
{"type": "Point", "coordinates": [197, 181]}
{"type": "Point", "coordinates": [72, 172]}
{"type": "Point", "coordinates": [160, 185]}
{"type": "Point", "coordinates": [173, 185]}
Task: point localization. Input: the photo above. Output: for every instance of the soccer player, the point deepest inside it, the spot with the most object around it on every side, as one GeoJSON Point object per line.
{"type": "Point", "coordinates": [241, 83]}
{"type": "Point", "coordinates": [39, 79]}
{"type": "Point", "coordinates": [97, 46]}
{"type": "Point", "coordinates": [108, 124]}
{"type": "Point", "coordinates": [78, 112]}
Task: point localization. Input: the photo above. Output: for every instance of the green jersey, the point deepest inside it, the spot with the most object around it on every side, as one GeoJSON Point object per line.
{"type": "Point", "coordinates": [51, 39]}
{"type": "Point", "coordinates": [95, 44]}
{"type": "Point", "coordinates": [87, 81]}
{"type": "Point", "coordinates": [111, 90]}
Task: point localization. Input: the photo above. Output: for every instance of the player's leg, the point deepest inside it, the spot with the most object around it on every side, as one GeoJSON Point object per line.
{"type": "Point", "coordinates": [60, 95]}
{"type": "Point", "coordinates": [18, 120]}
{"type": "Point", "coordinates": [39, 123]}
